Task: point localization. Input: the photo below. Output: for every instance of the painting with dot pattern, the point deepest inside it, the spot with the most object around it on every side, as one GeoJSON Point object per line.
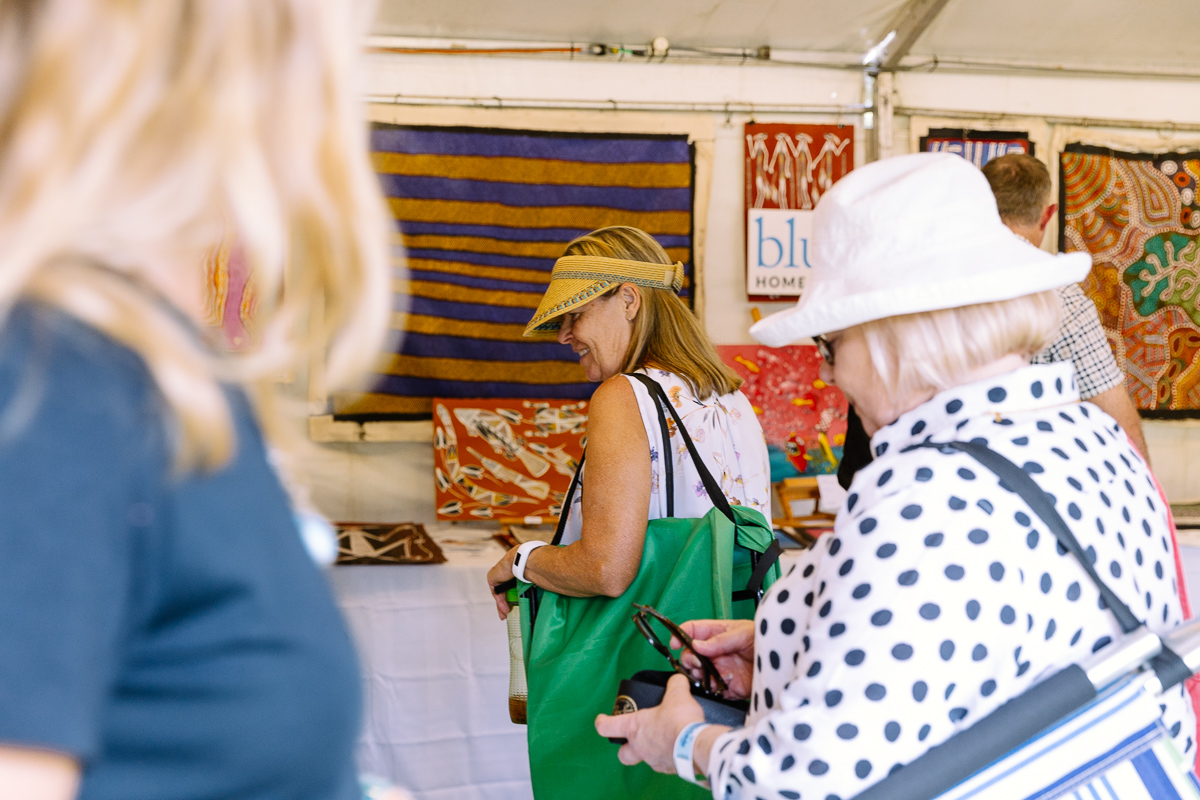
{"type": "Point", "coordinates": [1137, 214]}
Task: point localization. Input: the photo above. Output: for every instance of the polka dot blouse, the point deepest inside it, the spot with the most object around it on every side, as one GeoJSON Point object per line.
{"type": "Point", "coordinates": [939, 595]}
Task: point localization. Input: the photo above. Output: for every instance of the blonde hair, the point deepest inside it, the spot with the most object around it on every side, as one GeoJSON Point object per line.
{"type": "Point", "coordinates": [933, 351]}
{"type": "Point", "coordinates": [137, 135]}
{"type": "Point", "coordinates": [666, 334]}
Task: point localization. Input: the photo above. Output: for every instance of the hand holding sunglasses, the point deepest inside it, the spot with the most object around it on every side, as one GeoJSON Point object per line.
{"type": "Point", "coordinates": [645, 689]}
{"type": "Point", "coordinates": [709, 681]}
{"type": "Point", "coordinates": [729, 644]}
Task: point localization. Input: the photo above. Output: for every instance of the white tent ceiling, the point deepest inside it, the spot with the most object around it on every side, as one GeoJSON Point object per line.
{"type": "Point", "coordinates": [1119, 34]}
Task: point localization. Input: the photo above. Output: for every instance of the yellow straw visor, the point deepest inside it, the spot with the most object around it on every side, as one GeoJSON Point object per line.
{"type": "Point", "coordinates": [577, 280]}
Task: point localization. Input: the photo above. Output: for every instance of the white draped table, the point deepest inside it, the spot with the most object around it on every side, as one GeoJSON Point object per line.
{"type": "Point", "coordinates": [435, 674]}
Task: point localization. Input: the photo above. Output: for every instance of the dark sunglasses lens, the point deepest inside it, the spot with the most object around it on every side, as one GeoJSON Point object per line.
{"type": "Point", "coordinates": [824, 349]}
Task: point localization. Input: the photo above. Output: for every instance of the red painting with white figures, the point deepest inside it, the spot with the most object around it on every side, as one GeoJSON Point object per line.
{"type": "Point", "coordinates": [508, 460]}
{"type": "Point", "coordinates": [788, 167]}
{"type": "Point", "coordinates": [802, 417]}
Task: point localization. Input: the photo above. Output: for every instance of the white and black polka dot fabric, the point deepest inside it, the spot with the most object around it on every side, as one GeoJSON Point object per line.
{"type": "Point", "coordinates": [939, 595]}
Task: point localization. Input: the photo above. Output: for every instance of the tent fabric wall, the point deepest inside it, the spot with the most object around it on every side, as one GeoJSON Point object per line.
{"type": "Point", "coordinates": [393, 480]}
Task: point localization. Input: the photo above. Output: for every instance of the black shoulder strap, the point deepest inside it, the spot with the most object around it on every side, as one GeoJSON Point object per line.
{"type": "Point", "coordinates": [762, 562]}
{"type": "Point", "coordinates": [666, 455]}
{"type": "Point", "coordinates": [1014, 479]}
{"type": "Point", "coordinates": [710, 485]}
{"type": "Point", "coordinates": [1169, 667]}
{"type": "Point", "coordinates": [762, 565]}
{"type": "Point", "coordinates": [566, 504]}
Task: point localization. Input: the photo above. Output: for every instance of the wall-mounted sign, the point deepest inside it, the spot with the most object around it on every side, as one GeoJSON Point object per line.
{"type": "Point", "coordinates": [788, 168]}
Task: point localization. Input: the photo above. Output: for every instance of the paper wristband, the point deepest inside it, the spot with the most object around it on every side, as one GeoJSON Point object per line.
{"type": "Point", "coordinates": [522, 558]}
{"type": "Point", "coordinates": [685, 743]}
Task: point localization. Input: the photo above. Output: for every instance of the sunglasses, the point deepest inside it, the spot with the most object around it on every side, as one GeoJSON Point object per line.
{"type": "Point", "coordinates": [711, 682]}
{"type": "Point", "coordinates": [825, 348]}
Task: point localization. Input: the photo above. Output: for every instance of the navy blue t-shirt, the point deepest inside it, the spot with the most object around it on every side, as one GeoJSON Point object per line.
{"type": "Point", "coordinates": [169, 632]}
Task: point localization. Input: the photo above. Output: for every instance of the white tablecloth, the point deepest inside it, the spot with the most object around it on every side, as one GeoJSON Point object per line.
{"type": "Point", "coordinates": [435, 664]}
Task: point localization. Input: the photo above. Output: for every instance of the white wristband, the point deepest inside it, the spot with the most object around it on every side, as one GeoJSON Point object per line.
{"type": "Point", "coordinates": [685, 743]}
{"type": "Point", "coordinates": [522, 558]}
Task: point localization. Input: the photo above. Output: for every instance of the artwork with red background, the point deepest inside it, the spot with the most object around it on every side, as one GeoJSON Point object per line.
{"type": "Point", "coordinates": [789, 166]}
{"type": "Point", "coordinates": [508, 460]}
{"type": "Point", "coordinates": [803, 419]}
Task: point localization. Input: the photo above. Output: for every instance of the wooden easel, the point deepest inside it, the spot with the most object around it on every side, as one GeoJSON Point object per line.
{"type": "Point", "coordinates": [802, 528]}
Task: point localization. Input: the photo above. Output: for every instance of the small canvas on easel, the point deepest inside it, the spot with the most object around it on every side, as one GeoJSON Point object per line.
{"type": "Point", "coordinates": [803, 418]}
{"type": "Point", "coordinates": [506, 460]}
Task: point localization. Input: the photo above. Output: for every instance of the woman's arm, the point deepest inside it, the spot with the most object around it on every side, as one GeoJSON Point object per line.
{"type": "Point", "coordinates": [616, 505]}
{"type": "Point", "coordinates": [28, 774]}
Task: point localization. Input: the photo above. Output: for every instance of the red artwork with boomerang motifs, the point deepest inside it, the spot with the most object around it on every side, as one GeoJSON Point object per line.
{"type": "Point", "coordinates": [1138, 217]}
{"type": "Point", "coordinates": [505, 460]}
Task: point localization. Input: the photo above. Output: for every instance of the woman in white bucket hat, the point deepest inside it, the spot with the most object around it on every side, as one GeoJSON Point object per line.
{"type": "Point", "coordinates": [939, 595]}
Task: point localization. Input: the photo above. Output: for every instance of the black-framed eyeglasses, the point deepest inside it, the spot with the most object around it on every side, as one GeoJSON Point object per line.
{"type": "Point", "coordinates": [711, 681]}
{"type": "Point", "coordinates": [825, 348]}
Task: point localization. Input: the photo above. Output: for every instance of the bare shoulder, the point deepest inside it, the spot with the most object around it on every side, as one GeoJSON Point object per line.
{"type": "Point", "coordinates": [614, 416]}
{"type": "Point", "coordinates": [613, 397]}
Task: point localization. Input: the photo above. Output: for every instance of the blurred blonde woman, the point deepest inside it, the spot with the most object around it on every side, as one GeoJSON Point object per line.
{"type": "Point", "coordinates": [166, 633]}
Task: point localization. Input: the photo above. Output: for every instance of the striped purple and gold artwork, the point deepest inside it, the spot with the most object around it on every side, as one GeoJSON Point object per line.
{"type": "Point", "coordinates": [483, 214]}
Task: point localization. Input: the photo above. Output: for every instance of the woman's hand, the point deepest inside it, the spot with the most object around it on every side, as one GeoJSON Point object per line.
{"type": "Point", "coordinates": [730, 645]}
{"type": "Point", "coordinates": [651, 733]}
{"type": "Point", "coordinates": [498, 574]}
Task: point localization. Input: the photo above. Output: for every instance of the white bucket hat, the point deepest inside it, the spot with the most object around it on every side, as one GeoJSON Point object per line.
{"type": "Point", "coordinates": [909, 234]}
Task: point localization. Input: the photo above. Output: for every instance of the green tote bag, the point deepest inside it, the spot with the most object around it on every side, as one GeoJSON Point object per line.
{"type": "Point", "coordinates": [577, 649]}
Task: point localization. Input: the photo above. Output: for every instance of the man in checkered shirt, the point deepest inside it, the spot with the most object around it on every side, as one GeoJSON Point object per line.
{"type": "Point", "coordinates": [1021, 184]}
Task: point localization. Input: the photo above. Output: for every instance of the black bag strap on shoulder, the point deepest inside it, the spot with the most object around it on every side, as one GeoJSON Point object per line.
{"type": "Point", "coordinates": [1167, 665]}
{"type": "Point", "coordinates": [665, 455]}
{"type": "Point", "coordinates": [763, 562]}
{"type": "Point", "coordinates": [668, 466]}
{"type": "Point", "coordinates": [566, 504]}
{"type": "Point", "coordinates": [710, 484]}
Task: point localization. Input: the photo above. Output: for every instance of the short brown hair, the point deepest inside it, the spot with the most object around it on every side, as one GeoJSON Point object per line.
{"type": "Point", "coordinates": [666, 334]}
{"type": "Point", "coordinates": [1021, 184]}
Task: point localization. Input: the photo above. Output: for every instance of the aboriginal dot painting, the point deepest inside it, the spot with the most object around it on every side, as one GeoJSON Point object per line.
{"type": "Point", "coordinates": [1138, 217]}
{"type": "Point", "coordinates": [803, 418]}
